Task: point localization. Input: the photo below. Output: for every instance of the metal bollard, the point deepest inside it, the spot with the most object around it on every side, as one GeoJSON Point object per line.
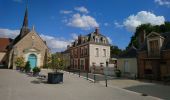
{"type": "Point", "coordinates": [79, 73]}
{"type": "Point", "coordinates": [94, 77]}
{"type": "Point", "coordinates": [87, 75]}
{"type": "Point", "coordinates": [106, 80]}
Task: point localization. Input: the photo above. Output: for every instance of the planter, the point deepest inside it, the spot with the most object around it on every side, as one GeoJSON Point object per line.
{"type": "Point", "coordinates": [54, 78]}
{"type": "Point", "coordinates": [17, 67]}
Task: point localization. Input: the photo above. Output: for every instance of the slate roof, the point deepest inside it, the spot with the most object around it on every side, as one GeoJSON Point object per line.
{"type": "Point", "coordinates": [90, 38]}
{"type": "Point", "coordinates": [4, 42]}
{"type": "Point", "coordinates": [165, 45]}
{"type": "Point", "coordinates": [130, 53]}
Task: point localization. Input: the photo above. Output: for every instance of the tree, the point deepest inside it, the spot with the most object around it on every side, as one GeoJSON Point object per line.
{"type": "Point", "coordinates": [148, 29]}
{"type": "Point", "coordinates": [57, 62]}
{"type": "Point", "coordinates": [115, 51]}
{"type": "Point", "coordinates": [19, 62]}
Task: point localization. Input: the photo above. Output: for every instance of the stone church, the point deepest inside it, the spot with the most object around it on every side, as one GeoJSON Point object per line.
{"type": "Point", "coordinates": [29, 45]}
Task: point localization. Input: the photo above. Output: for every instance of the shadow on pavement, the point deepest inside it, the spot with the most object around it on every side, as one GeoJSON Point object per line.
{"type": "Point", "coordinates": [155, 90]}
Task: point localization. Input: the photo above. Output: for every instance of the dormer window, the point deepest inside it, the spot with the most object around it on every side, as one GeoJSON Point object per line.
{"type": "Point", "coordinates": [154, 48]}
{"type": "Point", "coordinates": [97, 40]}
{"type": "Point", "coordinates": [154, 44]}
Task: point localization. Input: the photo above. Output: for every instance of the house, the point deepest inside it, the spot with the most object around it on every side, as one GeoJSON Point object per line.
{"type": "Point", "coordinates": [154, 55]}
{"type": "Point", "coordinates": [90, 51]}
{"type": "Point", "coordinates": [29, 45]}
{"type": "Point", "coordinates": [127, 62]}
{"type": "Point", "coordinates": [4, 42]}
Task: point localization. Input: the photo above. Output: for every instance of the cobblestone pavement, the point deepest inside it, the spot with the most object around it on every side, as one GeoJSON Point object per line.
{"type": "Point", "coordinates": [15, 85]}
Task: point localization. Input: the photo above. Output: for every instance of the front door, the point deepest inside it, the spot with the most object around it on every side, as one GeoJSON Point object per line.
{"type": "Point", "coordinates": [126, 66]}
{"type": "Point", "coordinates": [33, 60]}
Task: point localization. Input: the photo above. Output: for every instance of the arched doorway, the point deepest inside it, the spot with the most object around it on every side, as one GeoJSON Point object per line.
{"type": "Point", "coordinates": [33, 60]}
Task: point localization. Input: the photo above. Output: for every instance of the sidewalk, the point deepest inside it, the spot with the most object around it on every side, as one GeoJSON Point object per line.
{"type": "Point", "coordinates": [19, 86]}
{"type": "Point", "coordinates": [152, 89]}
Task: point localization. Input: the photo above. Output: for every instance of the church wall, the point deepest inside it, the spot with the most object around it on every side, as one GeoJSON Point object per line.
{"type": "Point", "coordinates": [29, 44]}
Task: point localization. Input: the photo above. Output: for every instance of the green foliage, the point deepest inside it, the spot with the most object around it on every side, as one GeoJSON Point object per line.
{"type": "Point", "coordinates": [57, 63]}
{"type": "Point", "coordinates": [118, 72]}
{"type": "Point", "coordinates": [148, 29]}
{"type": "Point", "coordinates": [19, 62]}
{"type": "Point", "coordinates": [27, 67]}
{"type": "Point", "coordinates": [115, 51]}
{"type": "Point", "coordinates": [36, 70]}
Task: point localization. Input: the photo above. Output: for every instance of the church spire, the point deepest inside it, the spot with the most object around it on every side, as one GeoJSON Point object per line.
{"type": "Point", "coordinates": [25, 22]}
{"type": "Point", "coordinates": [24, 30]}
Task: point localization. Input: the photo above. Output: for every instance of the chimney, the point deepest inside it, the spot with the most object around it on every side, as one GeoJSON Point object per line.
{"type": "Point", "coordinates": [97, 30]}
{"type": "Point", "coordinates": [142, 37]}
{"type": "Point", "coordinates": [68, 46]}
{"type": "Point", "coordinates": [79, 39]}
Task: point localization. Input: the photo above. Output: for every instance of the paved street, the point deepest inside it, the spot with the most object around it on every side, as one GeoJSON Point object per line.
{"type": "Point", "coordinates": [153, 89]}
{"type": "Point", "coordinates": [19, 86]}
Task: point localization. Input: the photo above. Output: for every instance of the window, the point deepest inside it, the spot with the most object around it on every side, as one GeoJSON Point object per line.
{"type": "Point", "coordinates": [97, 40]}
{"type": "Point", "coordinates": [82, 52]}
{"type": "Point", "coordinates": [104, 52]}
{"type": "Point", "coordinates": [97, 52]}
{"type": "Point", "coordinates": [82, 64]}
{"type": "Point", "coordinates": [154, 48]}
{"type": "Point", "coordinates": [104, 41]}
{"type": "Point", "coordinates": [85, 50]}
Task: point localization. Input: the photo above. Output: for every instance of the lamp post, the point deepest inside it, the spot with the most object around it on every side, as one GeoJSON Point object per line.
{"type": "Point", "coordinates": [106, 71]}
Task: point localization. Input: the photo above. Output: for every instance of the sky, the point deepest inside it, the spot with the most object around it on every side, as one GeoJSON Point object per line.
{"type": "Point", "coordinates": [59, 22]}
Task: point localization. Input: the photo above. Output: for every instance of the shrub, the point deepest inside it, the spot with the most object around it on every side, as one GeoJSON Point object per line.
{"type": "Point", "coordinates": [117, 72]}
{"type": "Point", "coordinates": [19, 62]}
{"type": "Point", "coordinates": [27, 67]}
{"type": "Point", "coordinates": [36, 70]}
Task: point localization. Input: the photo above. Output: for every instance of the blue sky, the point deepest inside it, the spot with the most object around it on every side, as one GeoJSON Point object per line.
{"type": "Point", "coordinates": [60, 21]}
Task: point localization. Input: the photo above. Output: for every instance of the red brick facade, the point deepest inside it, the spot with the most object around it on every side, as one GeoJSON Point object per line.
{"type": "Point", "coordinates": [159, 65]}
{"type": "Point", "coordinates": [80, 57]}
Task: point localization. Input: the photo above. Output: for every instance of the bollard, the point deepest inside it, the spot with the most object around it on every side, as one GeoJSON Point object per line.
{"type": "Point", "coordinates": [87, 75]}
{"type": "Point", "coordinates": [106, 80]}
{"type": "Point", "coordinates": [79, 73]}
{"type": "Point", "coordinates": [94, 77]}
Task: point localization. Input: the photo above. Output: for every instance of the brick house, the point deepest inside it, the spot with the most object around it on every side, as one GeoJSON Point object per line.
{"type": "Point", "coordinates": [4, 42]}
{"type": "Point", "coordinates": [90, 50]}
{"type": "Point", "coordinates": [154, 55]}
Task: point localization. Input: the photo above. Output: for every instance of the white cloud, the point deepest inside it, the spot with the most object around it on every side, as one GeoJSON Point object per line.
{"type": "Point", "coordinates": [163, 2]}
{"type": "Point", "coordinates": [81, 9]}
{"type": "Point", "coordinates": [109, 39]}
{"type": "Point", "coordinates": [65, 11]}
{"type": "Point", "coordinates": [82, 21]}
{"type": "Point", "coordinates": [55, 44]}
{"type": "Point", "coordinates": [142, 17]}
{"type": "Point", "coordinates": [74, 36]}
{"type": "Point", "coordinates": [7, 33]}
{"type": "Point", "coordinates": [106, 24]}
{"type": "Point", "coordinates": [118, 25]}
